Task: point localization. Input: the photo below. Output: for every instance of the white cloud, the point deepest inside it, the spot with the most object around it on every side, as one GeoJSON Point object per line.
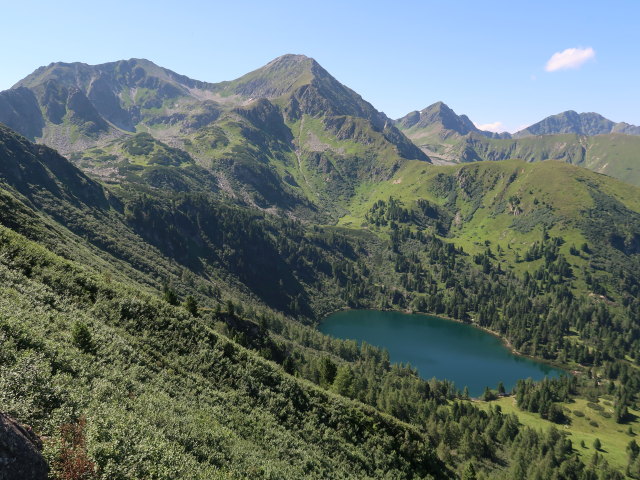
{"type": "Point", "coordinates": [497, 127]}
{"type": "Point", "coordinates": [569, 58]}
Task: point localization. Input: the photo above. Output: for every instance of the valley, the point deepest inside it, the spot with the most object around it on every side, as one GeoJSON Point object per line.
{"type": "Point", "coordinates": [170, 247]}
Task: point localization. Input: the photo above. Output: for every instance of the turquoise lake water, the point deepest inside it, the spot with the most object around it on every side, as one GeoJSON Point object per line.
{"type": "Point", "coordinates": [438, 348]}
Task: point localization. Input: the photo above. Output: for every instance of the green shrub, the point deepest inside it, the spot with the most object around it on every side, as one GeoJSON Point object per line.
{"type": "Point", "coordinates": [82, 338]}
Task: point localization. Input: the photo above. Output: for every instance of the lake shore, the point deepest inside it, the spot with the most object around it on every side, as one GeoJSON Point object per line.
{"type": "Point", "coordinates": [505, 342]}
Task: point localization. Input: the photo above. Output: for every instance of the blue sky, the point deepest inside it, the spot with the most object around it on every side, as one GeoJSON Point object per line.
{"type": "Point", "coordinates": [484, 59]}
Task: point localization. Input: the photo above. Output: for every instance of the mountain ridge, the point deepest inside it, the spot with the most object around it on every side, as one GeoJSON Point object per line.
{"type": "Point", "coordinates": [467, 241]}
{"type": "Point", "coordinates": [587, 139]}
{"type": "Point", "coordinates": [274, 138]}
{"type": "Point", "coordinates": [570, 121]}
{"type": "Point", "coordinates": [439, 114]}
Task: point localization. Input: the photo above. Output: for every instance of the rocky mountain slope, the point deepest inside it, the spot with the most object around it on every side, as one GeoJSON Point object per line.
{"type": "Point", "coordinates": [287, 135]}
{"type": "Point", "coordinates": [438, 117]}
{"type": "Point", "coordinates": [437, 129]}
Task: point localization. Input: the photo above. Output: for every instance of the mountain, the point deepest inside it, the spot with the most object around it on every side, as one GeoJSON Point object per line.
{"type": "Point", "coordinates": [42, 171]}
{"type": "Point", "coordinates": [160, 289]}
{"type": "Point", "coordinates": [95, 279]}
{"type": "Point", "coordinates": [612, 154]}
{"type": "Point", "coordinates": [437, 129]}
{"type": "Point", "coordinates": [437, 115]}
{"type": "Point", "coordinates": [117, 94]}
{"type": "Point", "coordinates": [587, 139]}
{"type": "Point", "coordinates": [439, 118]}
{"type": "Point", "coordinates": [19, 110]}
{"type": "Point", "coordinates": [157, 295]}
{"type": "Point", "coordinates": [274, 138]}
{"type": "Point", "coordinates": [577, 123]}
{"type": "Point", "coordinates": [305, 86]}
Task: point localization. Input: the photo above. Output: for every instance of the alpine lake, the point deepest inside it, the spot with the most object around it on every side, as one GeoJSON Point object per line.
{"type": "Point", "coordinates": [440, 348]}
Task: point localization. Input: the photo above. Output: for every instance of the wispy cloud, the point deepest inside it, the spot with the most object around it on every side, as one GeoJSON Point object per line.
{"type": "Point", "coordinates": [569, 58]}
{"type": "Point", "coordinates": [497, 127]}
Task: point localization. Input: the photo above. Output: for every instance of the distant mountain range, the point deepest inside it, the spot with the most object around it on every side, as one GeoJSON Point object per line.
{"type": "Point", "coordinates": [286, 135]}
{"type": "Point", "coordinates": [578, 123]}
{"type": "Point", "coordinates": [585, 139]}
{"type": "Point", "coordinates": [442, 118]}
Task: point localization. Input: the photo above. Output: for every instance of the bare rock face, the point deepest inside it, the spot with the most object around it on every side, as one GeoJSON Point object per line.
{"type": "Point", "coordinates": [20, 457]}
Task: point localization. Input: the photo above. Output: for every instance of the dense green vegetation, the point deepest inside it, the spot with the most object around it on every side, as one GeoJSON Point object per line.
{"type": "Point", "coordinates": [162, 395]}
{"type": "Point", "coordinates": [163, 326]}
{"type": "Point", "coordinates": [166, 360]}
{"type": "Point", "coordinates": [211, 259]}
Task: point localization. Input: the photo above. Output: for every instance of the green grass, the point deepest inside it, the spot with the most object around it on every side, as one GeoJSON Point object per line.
{"type": "Point", "coordinates": [560, 188]}
{"type": "Point", "coordinates": [613, 436]}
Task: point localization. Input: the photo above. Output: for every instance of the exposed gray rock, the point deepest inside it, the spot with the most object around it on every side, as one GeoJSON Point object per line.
{"type": "Point", "coordinates": [20, 457]}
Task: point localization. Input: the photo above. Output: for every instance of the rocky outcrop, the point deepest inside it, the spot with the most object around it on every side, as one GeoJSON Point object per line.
{"type": "Point", "coordinates": [20, 111]}
{"type": "Point", "coordinates": [20, 457]}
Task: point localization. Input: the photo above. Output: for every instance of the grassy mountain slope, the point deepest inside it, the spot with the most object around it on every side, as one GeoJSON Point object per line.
{"type": "Point", "coordinates": [502, 201]}
{"type": "Point", "coordinates": [613, 154]}
{"type": "Point", "coordinates": [188, 238]}
{"type": "Point", "coordinates": [512, 206]}
{"type": "Point", "coordinates": [239, 414]}
{"type": "Point", "coordinates": [164, 396]}
{"type": "Point", "coordinates": [589, 421]}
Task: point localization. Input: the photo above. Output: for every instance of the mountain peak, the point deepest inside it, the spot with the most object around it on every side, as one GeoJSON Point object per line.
{"type": "Point", "coordinates": [438, 115]}
{"type": "Point", "coordinates": [439, 105]}
{"type": "Point", "coordinates": [118, 92]}
{"type": "Point", "coordinates": [291, 63]}
{"type": "Point", "coordinates": [570, 121]}
{"type": "Point", "coordinates": [291, 58]}
{"type": "Point", "coordinates": [302, 86]}
{"type": "Point", "coordinates": [81, 75]}
{"type": "Point", "coordinates": [279, 77]}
